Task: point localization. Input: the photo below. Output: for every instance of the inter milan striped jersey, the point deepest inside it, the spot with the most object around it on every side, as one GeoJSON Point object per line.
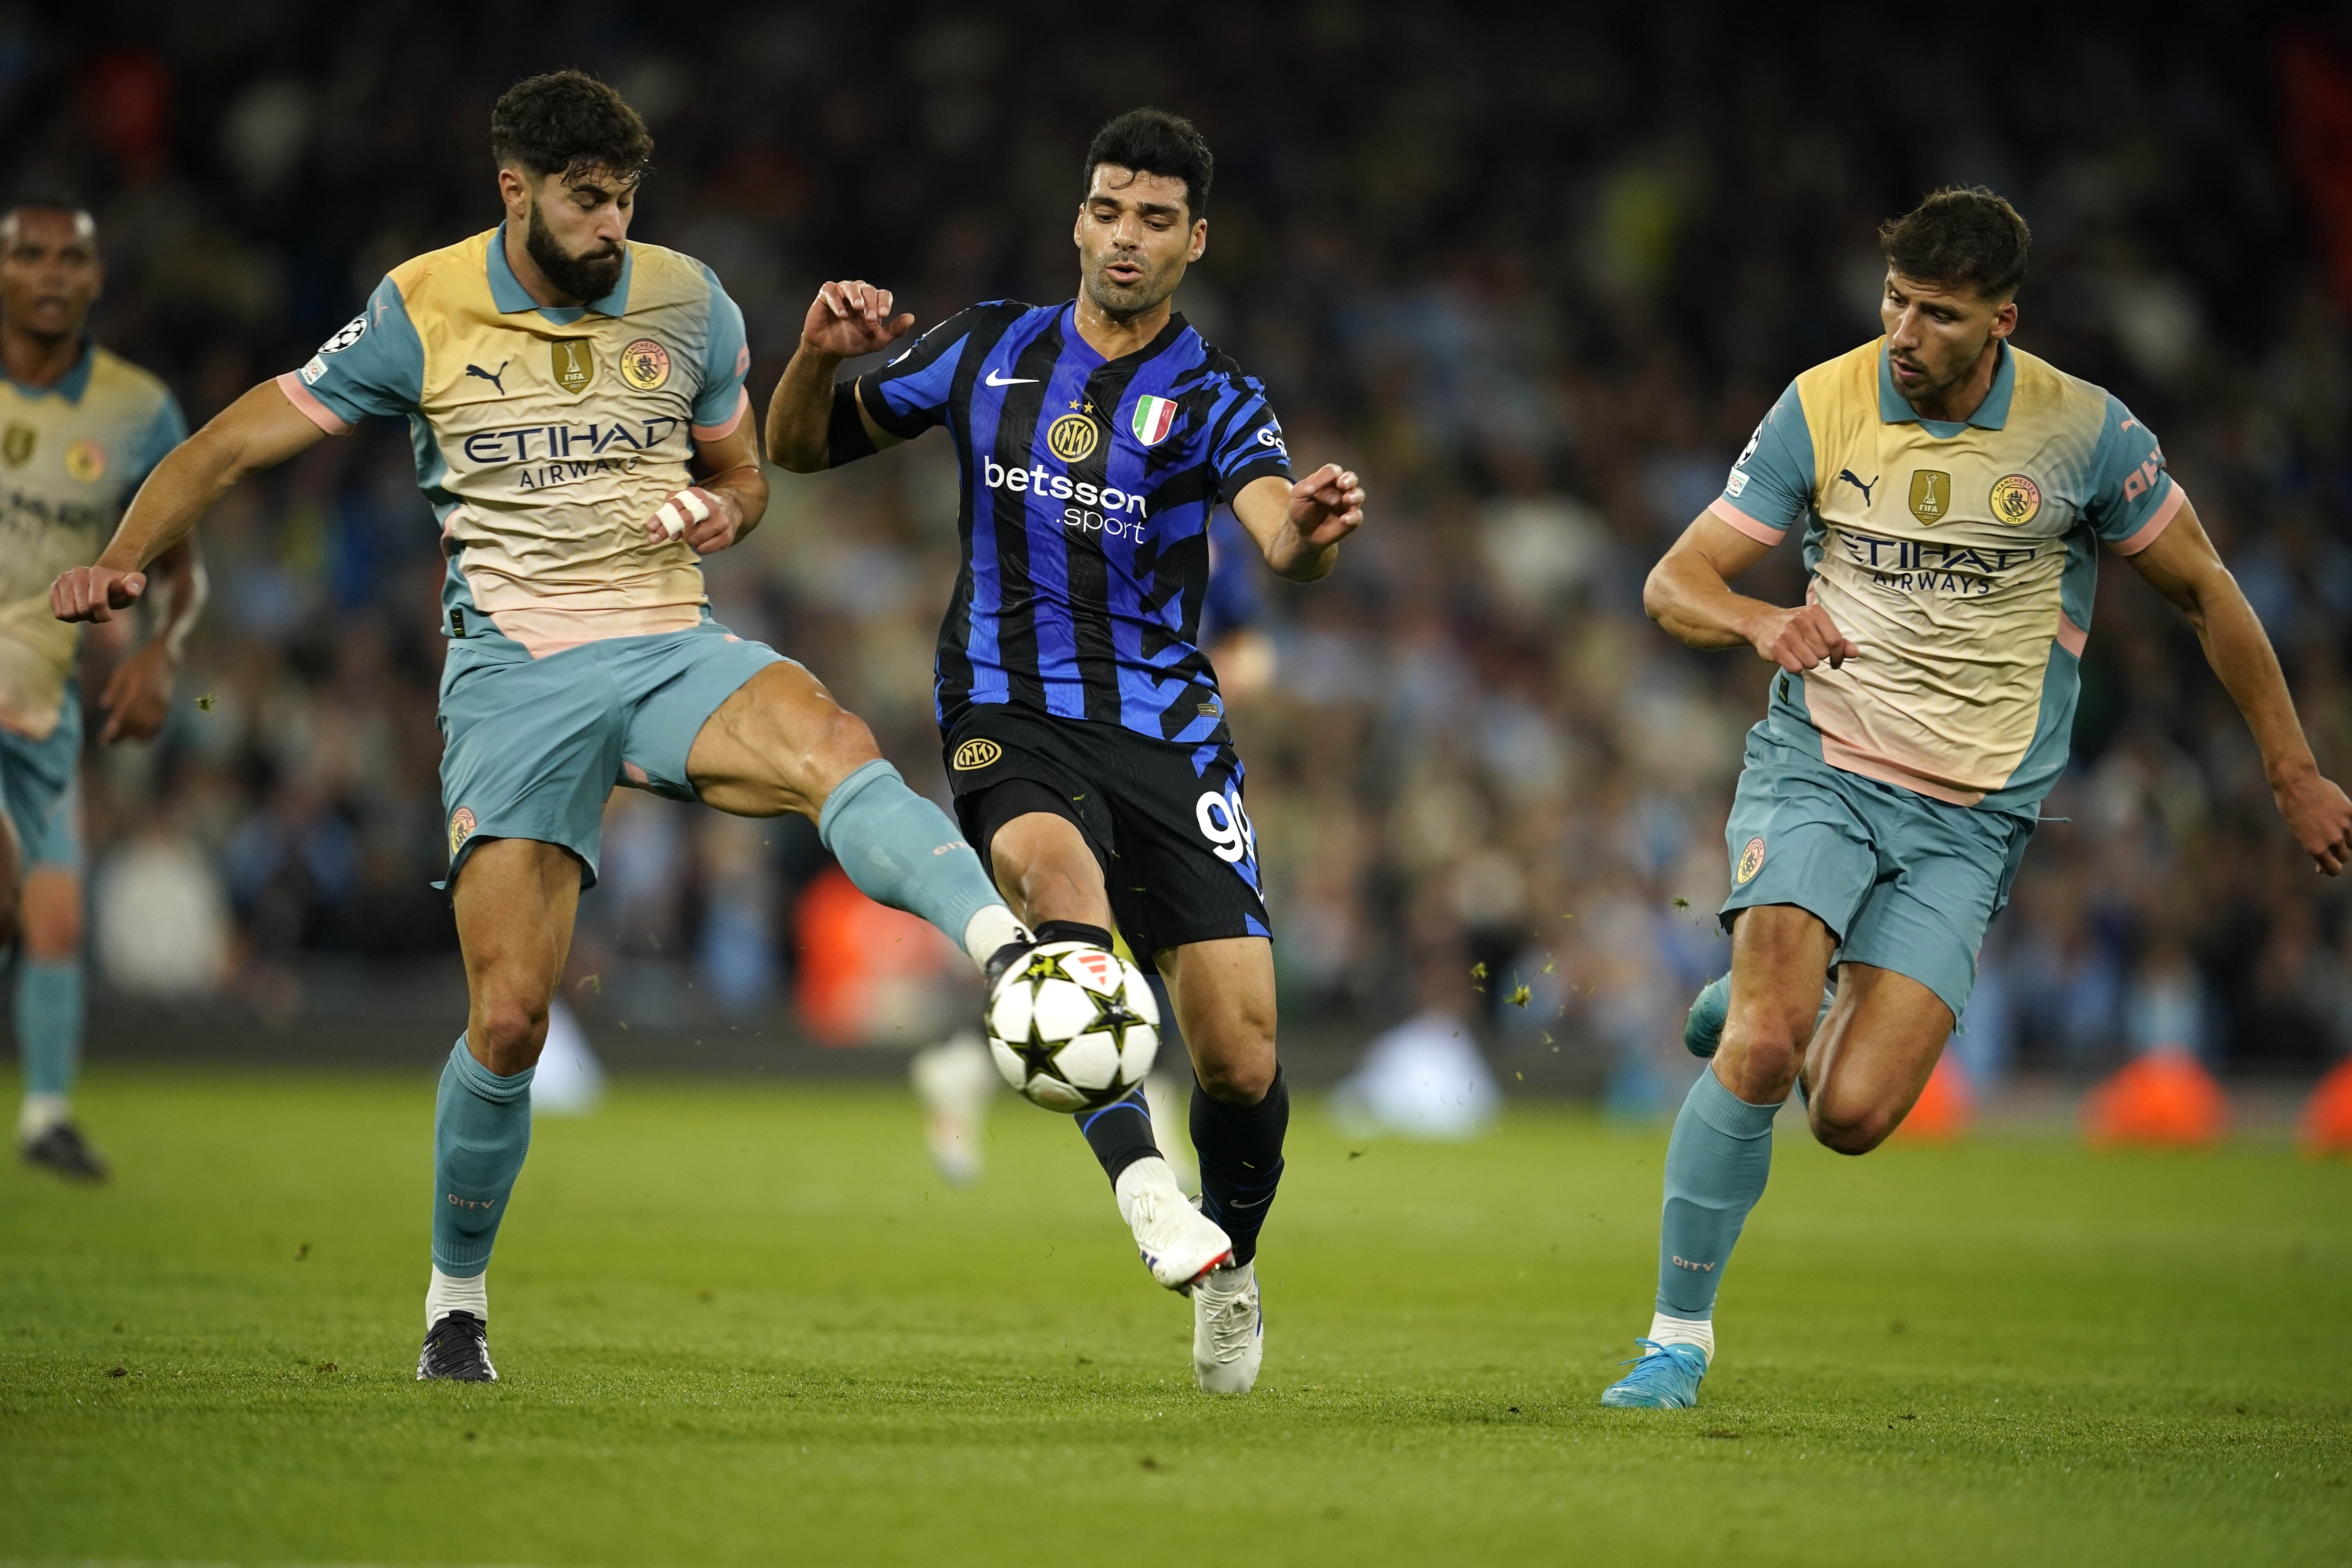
{"type": "Point", "coordinates": [1087, 487]}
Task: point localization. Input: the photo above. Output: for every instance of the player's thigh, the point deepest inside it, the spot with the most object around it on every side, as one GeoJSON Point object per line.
{"type": "Point", "coordinates": [1780, 955]}
{"type": "Point", "coordinates": [531, 749]}
{"type": "Point", "coordinates": [1873, 1056]}
{"type": "Point", "coordinates": [1041, 862]}
{"type": "Point", "coordinates": [1223, 991]}
{"type": "Point", "coordinates": [779, 742]}
{"type": "Point", "coordinates": [516, 901]}
{"type": "Point", "coordinates": [50, 918]}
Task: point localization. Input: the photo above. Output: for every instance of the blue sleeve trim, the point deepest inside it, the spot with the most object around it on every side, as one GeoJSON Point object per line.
{"type": "Point", "coordinates": [726, 358]}
{"type": "Point", "coordinates": [1772, 481]}
{"type": "Point", "coordinates": [2128, 482]}
{"type": "Point", "coordinates": [374, 365]}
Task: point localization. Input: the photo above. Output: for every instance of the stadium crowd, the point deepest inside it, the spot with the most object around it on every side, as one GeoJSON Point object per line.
{"type": "Point", "coordinates": [1536, 279]}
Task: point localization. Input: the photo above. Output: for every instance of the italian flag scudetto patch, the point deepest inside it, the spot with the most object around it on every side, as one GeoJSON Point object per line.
{"type": "Point", "coordinates": [1153, 418]}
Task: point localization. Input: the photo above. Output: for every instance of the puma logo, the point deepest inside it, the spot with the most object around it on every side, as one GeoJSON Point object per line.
{"type": "Point", "coordinates": [495, 377]}
{"type": "Point", "coordinates": [1845, 474]}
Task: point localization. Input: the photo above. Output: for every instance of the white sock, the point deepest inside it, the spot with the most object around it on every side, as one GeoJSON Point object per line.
{"type": "Point", "coordinates": [991, 930]}
{"type": "Point", "coordinates": [1233, 1277]}
{"type": "Point", "coordinates": [445, 1295]}
{"type": "Point", "coordinates": [40, 1112]}
{"type": "Point", "coordinates": [1699, 1331]}
{"type": "Point", "coordinates": [1145, 1175]}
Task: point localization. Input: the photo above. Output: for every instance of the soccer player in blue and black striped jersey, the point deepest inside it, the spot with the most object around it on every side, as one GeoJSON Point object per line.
{"type": "Point", "coordinates": [1085, 735]}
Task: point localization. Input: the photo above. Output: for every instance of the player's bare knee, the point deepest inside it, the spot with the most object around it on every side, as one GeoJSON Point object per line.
{"type": "Point", "coordinates": [1850, 1129]}
{"type": "Point", "coordinates": [510, 1033]}
{"type": "Point", "coordinates": [1236, 1082]}
{"type": "Point", "coordinates": [1759, 1061]}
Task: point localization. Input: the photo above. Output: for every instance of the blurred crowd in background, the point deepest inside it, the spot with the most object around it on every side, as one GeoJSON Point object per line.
{"type": "Point", "coordinates": [1536, 277]}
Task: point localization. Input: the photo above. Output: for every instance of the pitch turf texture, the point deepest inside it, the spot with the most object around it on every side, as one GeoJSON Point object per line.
{"type": "Point", "coordinates": [745, 1324]}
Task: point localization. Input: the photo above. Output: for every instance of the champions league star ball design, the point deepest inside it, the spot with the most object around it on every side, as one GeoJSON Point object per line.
{"type": "Point", "coordinates": [1072, 1027]}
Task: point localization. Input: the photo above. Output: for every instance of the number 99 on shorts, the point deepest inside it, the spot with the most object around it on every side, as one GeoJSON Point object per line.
{"type": "Point", "coordinates": [1226, 827]}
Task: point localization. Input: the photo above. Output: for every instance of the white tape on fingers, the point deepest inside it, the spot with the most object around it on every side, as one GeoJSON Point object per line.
{"type": "Point", "coordinates": [680, 510]}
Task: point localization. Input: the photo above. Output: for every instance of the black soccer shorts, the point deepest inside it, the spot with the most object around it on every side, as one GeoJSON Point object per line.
{"type": "Point", "coordinates": [1164, 819]}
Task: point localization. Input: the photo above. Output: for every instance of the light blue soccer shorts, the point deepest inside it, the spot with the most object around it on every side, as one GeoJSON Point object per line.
{"type": "Point", "coordinates": [533, 746]}
{"type": "Point", "coordinates": [40, 786]}
{"type": "Point", "coordinates": [1904, 882]}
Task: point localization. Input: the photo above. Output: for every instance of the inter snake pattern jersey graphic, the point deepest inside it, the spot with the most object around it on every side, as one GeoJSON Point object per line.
{"type": "Point", "coordinates": [1087, 489]}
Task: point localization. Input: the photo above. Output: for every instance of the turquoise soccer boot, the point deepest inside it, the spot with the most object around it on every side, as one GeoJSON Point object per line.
{"type": "Point", "coordinates": [1664, 1378]}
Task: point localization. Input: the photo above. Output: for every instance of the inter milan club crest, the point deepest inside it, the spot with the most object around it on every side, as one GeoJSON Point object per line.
{"type": "Point", "coordinates": [1152, 419]}
{"type": "Point", "coordinates": [645, 365]}
{"type": "Point", "coordinates": [1072, 436]}
{"type": "Point", "coordinates": [574, 362]}
{"type": "Point", "coordinates": [1931, 495]}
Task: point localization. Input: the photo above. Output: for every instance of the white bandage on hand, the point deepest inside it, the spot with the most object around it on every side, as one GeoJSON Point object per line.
{"type": "Point", "coordinates": [681, 511]}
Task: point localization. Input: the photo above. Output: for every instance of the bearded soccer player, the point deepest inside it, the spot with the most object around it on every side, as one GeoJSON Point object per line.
{"type": "Point", "coordinates": [79, 429]}
{"type": "Point", "coordinates": [1083, 729]}
{"type": "Point", "coordinates": [1954, 493]}
{"type": "Point", "coordinates": [581, 430]}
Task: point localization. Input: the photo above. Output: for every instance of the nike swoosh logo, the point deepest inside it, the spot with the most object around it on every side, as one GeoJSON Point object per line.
{"type": "Point", "coordinates": [996, 380]}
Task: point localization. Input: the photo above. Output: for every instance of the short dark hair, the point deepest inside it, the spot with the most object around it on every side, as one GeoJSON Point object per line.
{"type": "Point", "coordinates": [1961, 234]}
{"type": "Point", "coordinates": [46, 199]}
{"type": "Point", "coordinates": [1154, 141]}
{"type": "Point", "coordinates": [568, 121]}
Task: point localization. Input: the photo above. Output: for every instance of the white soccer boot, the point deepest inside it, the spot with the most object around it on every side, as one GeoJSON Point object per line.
{"type": "Point", "coordinates": [1228, 1330]}
{"type": "Point", "coordinates": [955, 1081]}
{"type": "Point", "coordinates": [1179, 1243]}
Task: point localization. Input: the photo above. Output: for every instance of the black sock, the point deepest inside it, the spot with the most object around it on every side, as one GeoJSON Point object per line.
{"type": "Point", "coordinates": [1073, 931]}
{"type": "Point", "coordinates": [1120, 1133]}
{"type": "Point", "coordinates": [1240, 1148]}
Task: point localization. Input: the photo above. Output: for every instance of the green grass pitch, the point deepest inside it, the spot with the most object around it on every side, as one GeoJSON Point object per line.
{"type": "Point", "coordinates": [743, 1323]}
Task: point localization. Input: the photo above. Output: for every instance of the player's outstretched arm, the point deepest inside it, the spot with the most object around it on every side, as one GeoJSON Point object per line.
{"type": "Point", "coordinates": [259, 430]}
{"type": "Point", "coordinates": [1298, 527]}
{"type": "Point", "coordinates": [846, 320]}
{"type": "Point", "coordinates": [2183, 566]}
{"type": "Point", "coordinates": [1689, 593]}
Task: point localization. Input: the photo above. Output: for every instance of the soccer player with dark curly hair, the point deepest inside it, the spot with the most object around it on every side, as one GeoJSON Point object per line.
{"type": "Point", "coordinates": [1954, 493]}
{"type": "Point", "coordinates": [1084, 732]}
{"type": "Point", "coordinates": [581, 430]}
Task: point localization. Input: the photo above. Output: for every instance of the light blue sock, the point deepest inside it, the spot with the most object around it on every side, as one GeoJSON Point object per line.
{"type": "Point", "coordinates": [1717, 1163]}
{"type": "Point", "coordinates": [48, 1023]}
{"type": "Point", "coordinates": [481, 1130]}
{"type": "Point", "coordinates": [901, 850]}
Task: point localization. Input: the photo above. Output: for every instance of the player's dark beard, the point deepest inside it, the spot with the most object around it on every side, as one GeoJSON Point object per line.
{"type": "Point", "coordinates": [1148, 292]}
{"type": "Point", "coordinates": [580, 278]}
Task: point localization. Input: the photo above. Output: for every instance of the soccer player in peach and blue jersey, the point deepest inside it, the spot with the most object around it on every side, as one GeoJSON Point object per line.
{"type": "Point", "coordinates": [1954, 494]}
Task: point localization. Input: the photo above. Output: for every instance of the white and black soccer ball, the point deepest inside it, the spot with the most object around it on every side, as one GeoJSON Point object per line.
{"type": "Point", "coordinates": [1073, 1027]}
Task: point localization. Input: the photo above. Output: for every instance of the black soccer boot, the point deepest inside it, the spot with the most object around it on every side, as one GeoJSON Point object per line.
{"type": "Point", "coordinates": [64, 1151]}
{"type": "Point", "coordinates": [457, 1348]}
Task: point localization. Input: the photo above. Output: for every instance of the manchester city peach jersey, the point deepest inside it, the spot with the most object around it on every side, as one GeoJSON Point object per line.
{"type": "Point", "coordinates": [1960, 557]}
{"type": "Point", "coordinates": [545, 438]}
{"type": "Point", "coordinates": [71, 457]}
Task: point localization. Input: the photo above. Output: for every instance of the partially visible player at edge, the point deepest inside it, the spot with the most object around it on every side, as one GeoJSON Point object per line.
{"type": "Point", "coordinates": [80, 430]}
{"type": "Point", "coordinates": [1084, 732]}
{"type": "Point", "coordinates": [566, 387]}
{"type": "Point", "coordinates": [1954, 492]}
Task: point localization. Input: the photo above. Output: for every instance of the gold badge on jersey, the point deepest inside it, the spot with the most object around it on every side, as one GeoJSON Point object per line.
{"type": "Point", "coordinates": [16, 445]}
{"type": "Point", "coordinates": [1931, 495]}
{"type": "Point", "coordinates": [976, 754]}
{"type": "Point", "coordinates": [1072, 437]}
{"type": "Point", "coordinates": [2015, 500]}
{"type": "Point", "coordinates": [645, 365]}
{"type": "Point", "coordinates": [85, 462]}
{"type": "Point", "coordinates": [574, 360]}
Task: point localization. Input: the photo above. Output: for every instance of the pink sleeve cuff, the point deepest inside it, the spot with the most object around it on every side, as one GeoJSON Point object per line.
{"type": "Point", "coordinates": [2147, 533]}
{"type": "Point", "coordinates": [316, 412]}
{"type": "Point", "coordinates": [1761, 533]}
{"type": "Point", "coordinates": [720, 432]}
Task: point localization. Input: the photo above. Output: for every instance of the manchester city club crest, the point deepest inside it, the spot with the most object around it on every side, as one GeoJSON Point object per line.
{"type": "Point", "coordinates": [2015, 498]}
{"type": "Point", "coordinates": [1752, 860]}
{"type": "Point", "coordinates": [86, 462]}
{"type": "Point", "coordinates": [645, 365]}
{"type": "Point", "coordinates": [574, 363]}
{"type": "Point", "coordinates": [461, 828]}
{"type": "Point", "coordinates": [1152, 419]}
